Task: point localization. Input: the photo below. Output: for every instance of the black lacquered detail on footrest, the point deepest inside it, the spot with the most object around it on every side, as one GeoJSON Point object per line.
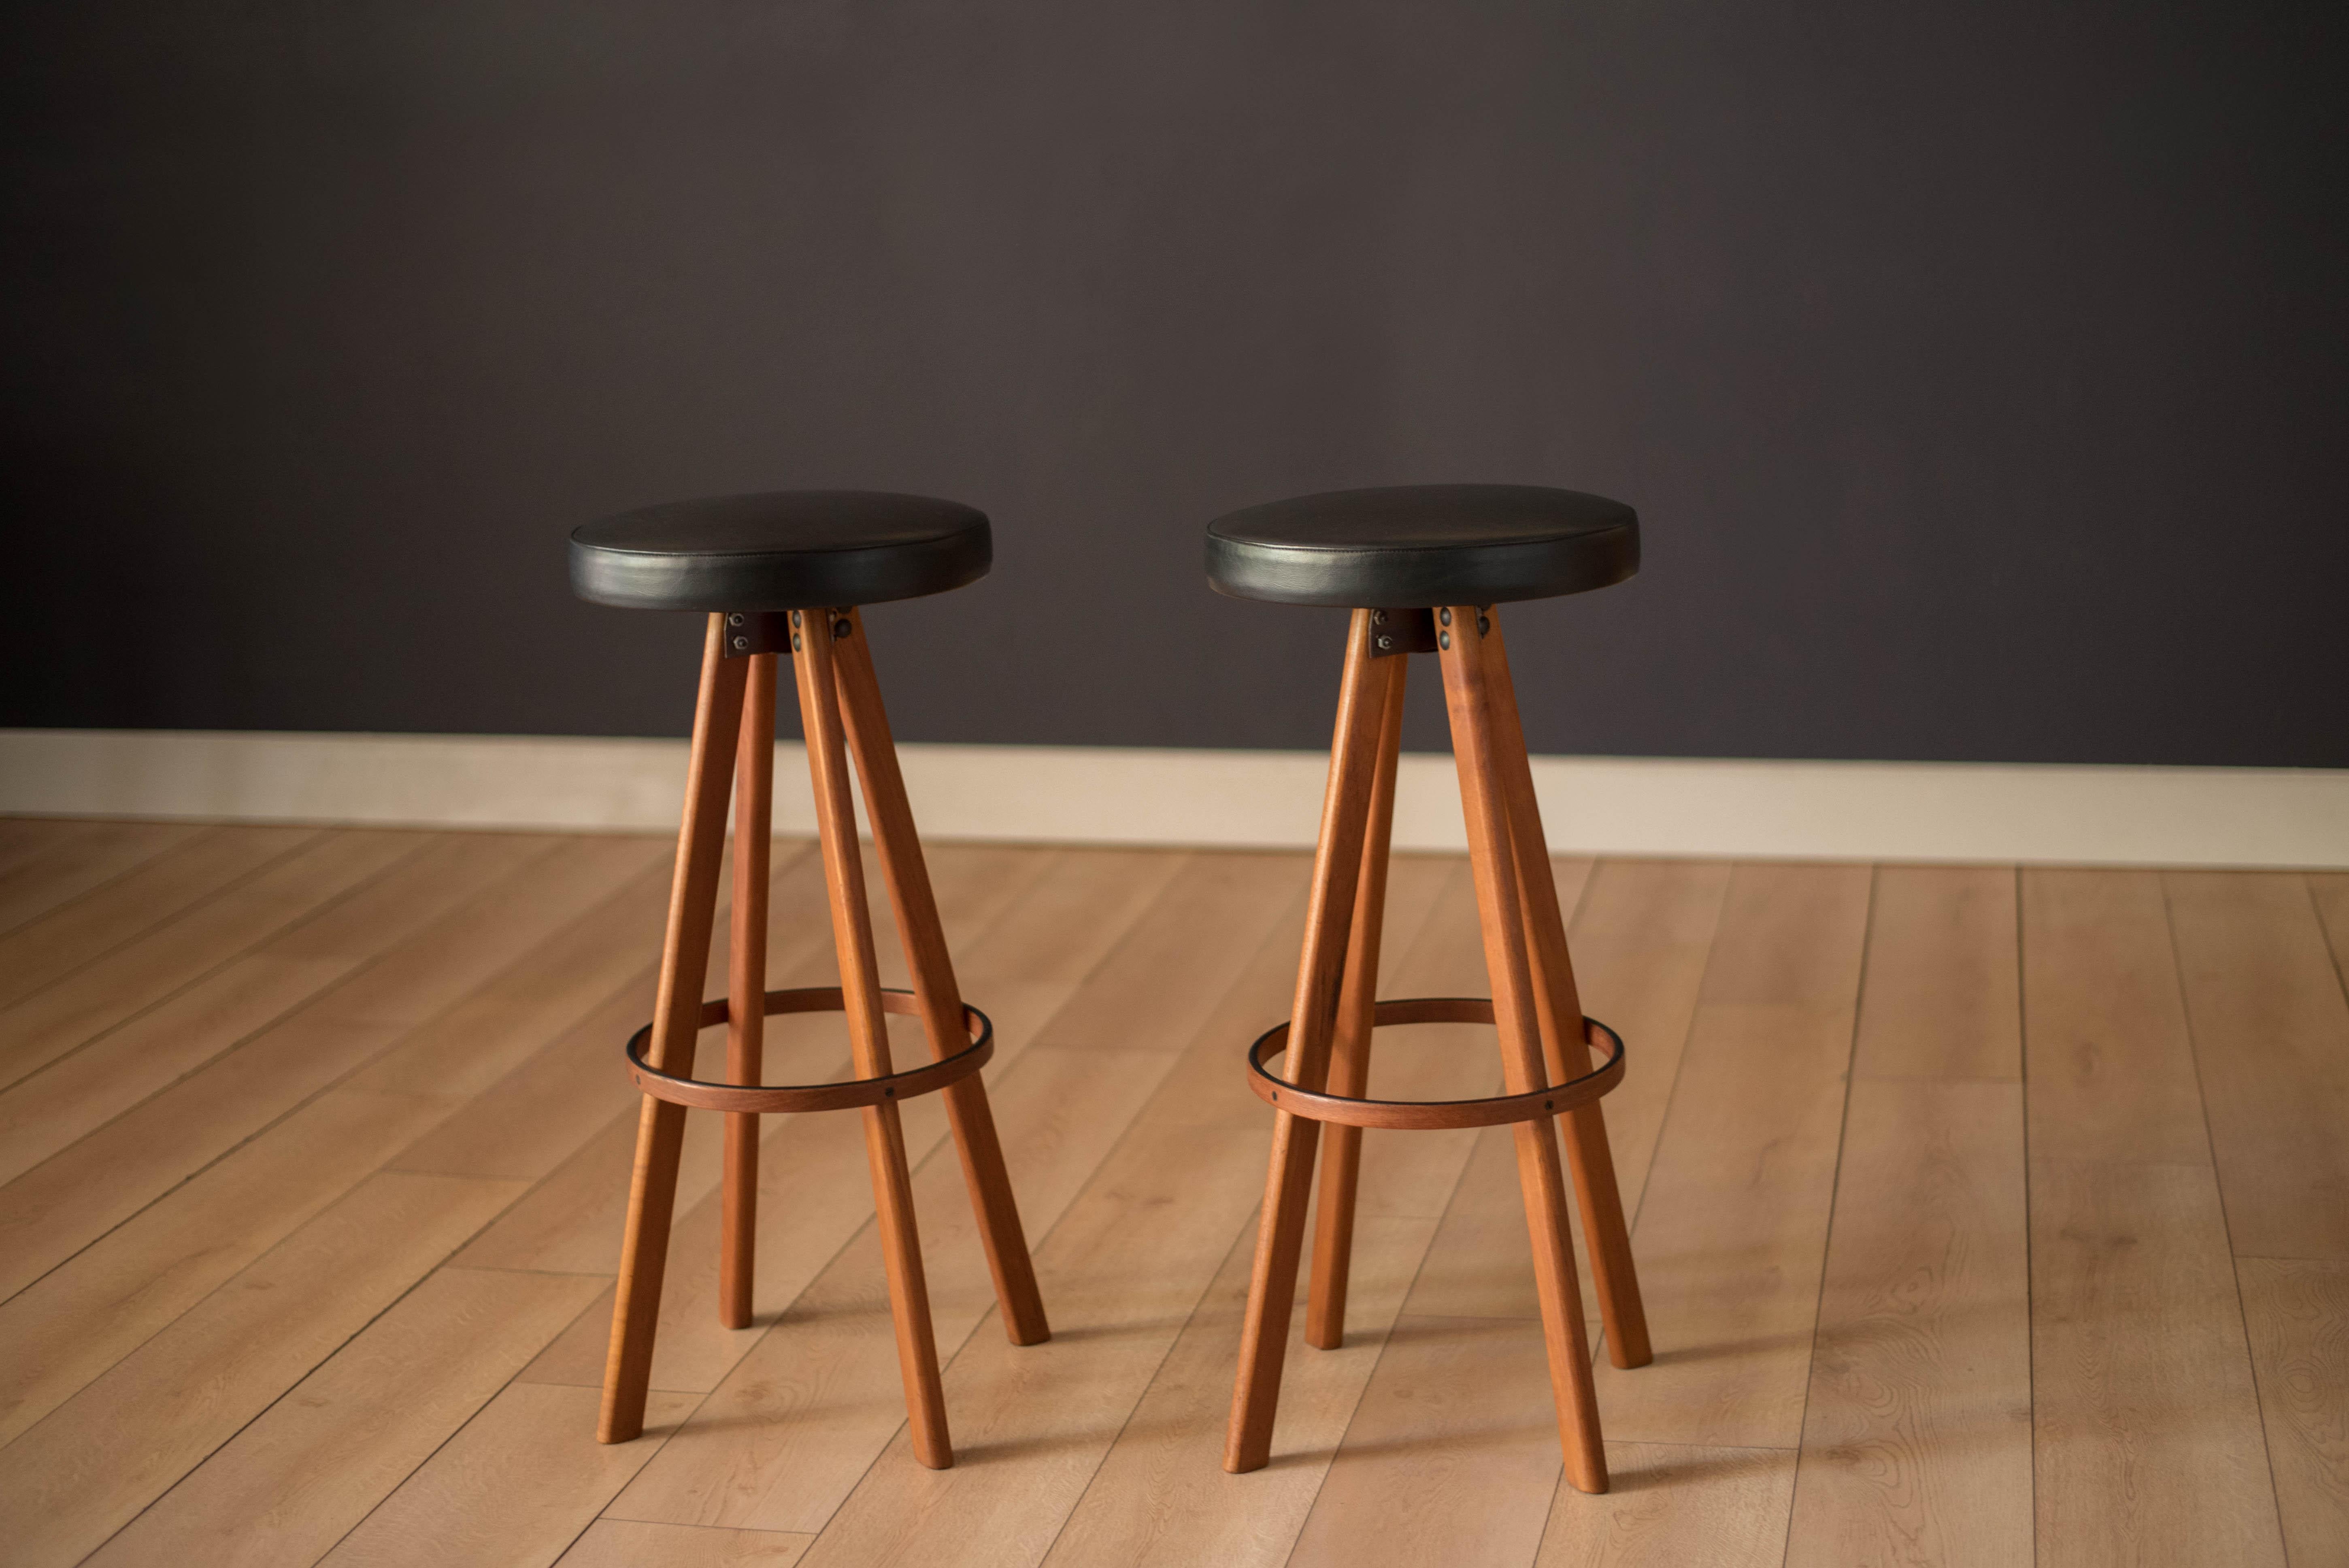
{"type": "Point", "coordinates": [703, 1095]}
{"type": "Point", "coordinates": [1497, 1110]}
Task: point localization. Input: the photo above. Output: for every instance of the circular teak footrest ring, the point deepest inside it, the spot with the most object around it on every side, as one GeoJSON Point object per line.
{"type": "Point", "coordinates": [1427, 1114]}
{"type": "Point", "coordinates": [703, 1095]}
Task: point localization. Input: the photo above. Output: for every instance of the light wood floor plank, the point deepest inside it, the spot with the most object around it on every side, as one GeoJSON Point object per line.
{"type": "Point", "coordinates": [1152, 992]}
{"type": "Point", "coordinates": [154, 895]}
{"type": "Point", "coordinates": [2109, 1064]}
{"type": "Point", "coordinates": [2331, 891]}
{"type": "Point", "coordinates": [90, 1467]}
{"type": "Point", "coordinates": [137, 1044]}
{"type": "Point", "coordinates": [497, 1492]}
{"type": "Point", "coordinates": [2148, 1443]}
{"type": "Point", "coordinates": [104, 992]}
{"type": "Point", "coordinates": [1160, 1497]}
{"type": "Point", "coordinates": [2146, 1439]}
{"type": "Point", "coordinates": [158, 961]}
{"type": "Point", "coordinates": [626, 1544]}
{"type": "Point", "coordinates": [1732, 1232]}
{"type": "Point", "coordinates": [505, 1022]}
{"type": "Point", "coordinates": [1451, 1455]}
{"type": "Point", "coordinates": [61, 1205]}
{"type": "Point", "coordinates": [23, 837]}
{"type": "Point", "coordinates": [2298, 1315]}
{"type": "Point", "coordinates": [1671, 1507]}
{"type": "Point", "coordinates": [1917, 1439]}
{"type": "Point", "coordinates": [66, 860]}
{"type": "Point", "coordinates": [292, 1483]}
{"type": "Point", "coordinates": [2270, 1032]}
{"type": "Point", "coordinates": [66, 1330]}
{"type": "Point", "coordinates": [1642, 931]}
{"type": "Point", "coordinates": [1025, 968]}
{"type": "Point", "coordinates": [1942, 997]}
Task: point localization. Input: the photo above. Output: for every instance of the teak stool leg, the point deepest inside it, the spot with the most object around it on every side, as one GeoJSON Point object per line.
{"type": "Point", "coordinates": [1349, 1059]}
{"type": "Point", "coordinates": [1330, 907]}
{"type": "Point", "coordinates": [1468, 697]}
{"type": "Point", "coordinates": [746, 984]}
{"type": "Point", "coordinates": [677, 1017]}
{"type": "Point", "coordinates": [934, 991]}
{"type": "Point", "coordinates": [1559, 1003]}
{"type": "Point", "coordinates": [884, 1136]}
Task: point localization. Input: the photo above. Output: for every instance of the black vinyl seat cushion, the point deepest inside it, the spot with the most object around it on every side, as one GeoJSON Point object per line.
{"type": "Point", "coordinates": [785, 550]}
{"type": "Point", "coordinates": [1415, 546]}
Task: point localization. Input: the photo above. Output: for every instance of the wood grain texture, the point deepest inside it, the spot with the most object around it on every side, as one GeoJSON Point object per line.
{"type": "Point", "coordinates": [1451, 1455]}
{"type": "Point", "coordinates": [2331, 891]}
{"type": "Point", "coordinates": [1732, 1232]}
{"type": "Point", "coordinates": [2148, 1448]}
{"type": "Point", "coordinates": [1943, 993]}
{"type": "Point", "coordinates": [1056, 927]}
{"type": "Point", "coordinates": [626, 1544]}
{"type": "Point", "coordinates": [516, 903]}
{"type": "Point", "coordinates": [1674, 1507]}
{"type": "Point", "coordinates": [860, 981]}
{"type": "Point", "coordinates": [49, 863]}
{"type": "Point", "coordinates": [793, 1428]}
{"type": "Point", "coordinates": [922, 937]}
{"type": "Point", "coordinates": [1329, 911]}
{"type": "Point", "coordinates": [1917, 1436]}
{"type": "Point", "coordinates": [155, 895]}
{"type": "Point", "coordinates": [120, 984]}
{"type": "Point", "coordinates": [1124, 1268]}
{"type": "Point", "coordinates": [2271, 1031]}
{"type": "Point", "coordinates": [1160, 1498]}
{"type": "Point", "coordinates": [1471, 692]}
{"type": "Point", "coordinates": [89, 1080]}
{"type": "Point", "coordinates": [1599, 1201]}
{"type": "Point", "coordinates": [2146, 1434]}
{"type": "Point", "coordinates": [1175, 962]}
{"type": "Point", "coordinates": [67, 1328]}
{"type": "Point", "coordinates": [1642, 931]}
{"type": "Point", "coordinates": [295, 1480]}
{"type": "Point", "coordinates": [516, 1484]}
{"type": "Point", "coordinates": [1350, 1045]}
{"type": "Point", "coordinates": [746, 984]}
{"type": "Point", "coordinates": [1431, 949]}
{"type": "Point", "coordinates": [255, 1334]}
{"type": "Point", "coordinates": [2109, 1065]}
{"type": "Point", "coordinates": [83, 1472]}
{"type": "Point", "coordinates": [676, 1013]}
{"type": "Point", "coordinates": [2297, 1313]}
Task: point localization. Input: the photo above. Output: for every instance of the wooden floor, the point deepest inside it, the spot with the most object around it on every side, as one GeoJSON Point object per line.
{"type": "Point", "coordinates": [1984, 1218]}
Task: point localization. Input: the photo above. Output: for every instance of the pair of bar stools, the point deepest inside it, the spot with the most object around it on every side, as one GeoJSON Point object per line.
{"type": "Point", "coordinates": [1423, 569]}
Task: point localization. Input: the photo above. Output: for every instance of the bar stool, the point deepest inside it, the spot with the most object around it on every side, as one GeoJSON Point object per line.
{"type": "Point", "coordinates": [1435, 559]}
{"type": "Point", "coordinates": [783, 573]}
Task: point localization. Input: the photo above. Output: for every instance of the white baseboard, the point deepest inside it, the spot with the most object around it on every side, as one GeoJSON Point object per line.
{"type": "Point", "coordinates": [1052, 794]}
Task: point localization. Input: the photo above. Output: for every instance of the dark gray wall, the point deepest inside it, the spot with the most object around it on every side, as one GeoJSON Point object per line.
{"type": "Point", "coordinates": [1978, 370]}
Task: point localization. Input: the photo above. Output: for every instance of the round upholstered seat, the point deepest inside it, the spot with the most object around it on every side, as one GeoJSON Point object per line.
{"type": "Point", "coordinates": [1423, 545]}
{"type": "Point", "coordinates": [785, 550]}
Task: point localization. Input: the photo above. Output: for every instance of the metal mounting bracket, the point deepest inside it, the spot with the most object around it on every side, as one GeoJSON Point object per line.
{"type": "Point", "coordinates": [1396, 631]}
